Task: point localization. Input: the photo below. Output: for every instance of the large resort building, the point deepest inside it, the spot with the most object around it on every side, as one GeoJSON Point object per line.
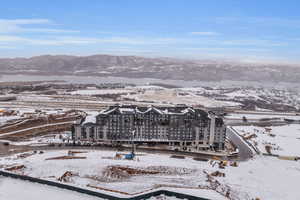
{"type": "Point", "coordinates": [181, 127]}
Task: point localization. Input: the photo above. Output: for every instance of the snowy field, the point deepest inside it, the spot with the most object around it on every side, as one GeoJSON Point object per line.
{"type": "Point", "coordinates": [172, 96]}
{"type": "Point", "coordinates": [266, 178]}
{"type": "Point", "coordinates": [43, 140]}
{"type": "Point", "coordinates": [262, 177]}
{"type": "Point", "coordinates": [281, 95]}
{"type": "Point", "coordinates": [284, 140]}
{"type": "Point", "coordinates": [261, 116]}
{"type": "Point", "coordinates": [34, 191]}
{"type": "Point", "coordinates": [101, 91]}
{"type": "Point", "coordinates": [13, 189]}
{"type": "Point", "coordinates": [5, 119]}
{"type": "Point", "coordinates": [186, 174]}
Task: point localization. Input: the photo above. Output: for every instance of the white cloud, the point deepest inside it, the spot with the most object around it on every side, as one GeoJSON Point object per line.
{"type": "Point", "coordinates": [208, 33]}
{"type": "Point", "coordinates": [261, 21]}
{"type": "Point", "coordinates": [48, 30]}
{"type": "Point", "coordinates": [224, 49]}
{"type": "Point", "coordinates": [17, 26]}
{"type": "Point", "coordinates": [66, 40]}
{"type": "Point", "coordinates": [9, 39]}
{"type": "Point", "coordinates": [253, 42]}
{"type": "Point", "coordinates": [139, 41]}
{"type": "Point", "coordinates": [7, 47]}
{"type": "Point", "coordinates": [25, 21]}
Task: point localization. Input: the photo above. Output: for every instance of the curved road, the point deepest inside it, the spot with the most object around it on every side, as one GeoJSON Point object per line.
{"type": "Point", "coordinates": [245, 151]}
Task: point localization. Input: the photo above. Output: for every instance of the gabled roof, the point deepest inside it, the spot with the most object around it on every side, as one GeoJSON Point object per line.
{"type": "Point", "coordinates": [154, 110]}
{"type": "Point", "coordinates": [126, 110]}
{"type": "Point", "coordinates": [133, 109]}
{"type": "Point", "coordinates": [109, 111]}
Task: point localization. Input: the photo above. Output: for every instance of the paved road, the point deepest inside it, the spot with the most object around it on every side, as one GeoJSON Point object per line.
{"type": "Point", "coordinates": [245, 152]}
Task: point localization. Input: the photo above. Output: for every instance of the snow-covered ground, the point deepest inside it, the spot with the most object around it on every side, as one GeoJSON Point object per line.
{"type": "Point", "coordinates": [43, 140]}
{"type": "Point", "coordinates": [250, 116]}
{"type": "Point", "coordinates": [13, 189]}
{"type": "Point", "coordinates": [266, 178]}
{"type": "Point", "coordinates": [239, 93]}
{"type": "Point", "coordinates": [34, 98]}
{"type": "Point", "coordinates": [284, 140]}
{"type": "Point", "coordinates": [172, 96]}
{"type": "Point", "coordinates": [185, 173]}
{"type": "Point", "coordinates": [262, 177]}
{"type": "Point", "coordinates": [101, 91]}
{"type": "Point", "coordinates": [217, 96]}
{"type": "Point", "coordinates": [4, 119]}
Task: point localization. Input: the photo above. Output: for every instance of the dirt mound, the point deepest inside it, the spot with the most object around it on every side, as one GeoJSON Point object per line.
{"type": "Point", "coordinates": [116, 172]}
{"type": "Point", "coordinates": [67, 176]}
{"type": "Point", "coordinates": [15, 168]}
{"type": "Point", "coordinates": [171, 170]}
{"type": "Point", "coordinates": [65, 158]}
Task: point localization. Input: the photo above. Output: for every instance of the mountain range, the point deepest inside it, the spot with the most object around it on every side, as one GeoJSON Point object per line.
{"type": "Point", "coordinates": [143, 67]}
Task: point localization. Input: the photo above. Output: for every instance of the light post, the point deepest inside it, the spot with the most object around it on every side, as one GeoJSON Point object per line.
{"type": "Point", "coordinates": [132, 141]}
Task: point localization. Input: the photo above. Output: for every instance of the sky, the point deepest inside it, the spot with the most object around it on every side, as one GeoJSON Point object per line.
{"type": "Point", "coordinates": [256, 30]}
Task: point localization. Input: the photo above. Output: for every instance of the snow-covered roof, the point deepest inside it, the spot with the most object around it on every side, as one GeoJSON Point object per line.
{"type": "Point", "coordinates": [127, 110]}
{"type": "Point", "coordinates": [90, 118]}
{"type": "Point", "coordinates": [130, 109]}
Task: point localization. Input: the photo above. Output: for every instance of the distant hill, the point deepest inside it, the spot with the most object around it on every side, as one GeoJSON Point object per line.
{"type": "Point", "coordinates": [141, 67]}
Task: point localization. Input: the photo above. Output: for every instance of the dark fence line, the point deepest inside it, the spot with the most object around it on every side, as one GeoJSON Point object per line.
{"type": "Point", "coordinates": [98, 194]}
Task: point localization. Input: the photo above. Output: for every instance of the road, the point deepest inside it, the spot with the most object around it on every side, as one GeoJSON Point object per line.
{"type": "Point", "coordinates": [245, 151]}
{"type": "Point", "coordinates": [2, 135]}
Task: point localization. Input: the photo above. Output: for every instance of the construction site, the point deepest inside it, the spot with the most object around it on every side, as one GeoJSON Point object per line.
{"type": "Point", "coordinates": [125, 173]}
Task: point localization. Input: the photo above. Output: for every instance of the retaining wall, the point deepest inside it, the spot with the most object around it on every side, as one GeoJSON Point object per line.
{"type": "Point", "coordinates": [98, 194]}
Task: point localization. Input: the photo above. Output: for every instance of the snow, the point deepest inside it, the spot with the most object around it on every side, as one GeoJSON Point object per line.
{"type": "Point", "coordinates": [21, 111]}
{"type": "Point", "coordinates": [172, 97]}
{"type": "Point", "coordinates": [4, 119]}
{"type": "Point", "coordinates": [261, 116]}
{"type": "Point", "coordinates": [243, 94]}
{"type": "Point", "coordinates": [101, 91]}
{"type": "Point", "coordinates": [126, 110]}
{"type": "Point", "coordinates": [42, 140]}
{"type": "Point", "coordinates": [37, 166]}
{"type": "Point", "coordinates": [149, 87]}
{"type": "Point", "coordinates": [36, 127]}
{"type": "Point", "coordinates": [262, 177]}
{"type": "Point", "coordinates": [91, 117]}
{"type": "Point", "coordinates": [266, 178]}
{"type": "Point", "coordinates": [197, 193]}
{"type": "Point", "coordinates": [34, 98]}
{"type": "Point", "coordinates": [286, 141]}
{"type": "Point", "coordinates": [35, 191]}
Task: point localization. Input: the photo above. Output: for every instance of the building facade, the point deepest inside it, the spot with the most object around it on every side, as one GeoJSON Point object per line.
{"type": "Point", "coordinates": [181, 127]}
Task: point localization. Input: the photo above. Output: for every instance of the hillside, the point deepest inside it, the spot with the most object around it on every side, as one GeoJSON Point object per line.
{"type": "Point", "coordinates": [141, 67]}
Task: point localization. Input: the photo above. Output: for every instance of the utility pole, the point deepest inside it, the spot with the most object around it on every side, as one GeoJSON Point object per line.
{"type": "Point", "coordinates": [132, 142]}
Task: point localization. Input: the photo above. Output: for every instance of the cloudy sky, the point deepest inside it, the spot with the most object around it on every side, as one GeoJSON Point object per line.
{"type": "Point", "coordinates": [256, 30]}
